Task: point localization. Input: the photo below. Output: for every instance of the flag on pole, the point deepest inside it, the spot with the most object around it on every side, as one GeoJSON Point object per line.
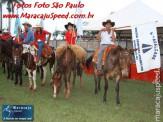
{"type": "Point", "coordinates": [17, 26]}
{"type": "Point", "coordinates": [80, 21]}
{"type": "Point", "coordinates": [145, 39]}
{"type": "Point", "coordinates": [42, 23]}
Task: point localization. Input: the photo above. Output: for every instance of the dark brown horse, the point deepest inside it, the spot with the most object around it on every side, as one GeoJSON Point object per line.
{"type": "Point", "coordinates": [117, 64]}
{"type": "Point", "coordinates": [30, 64]}
{"type": "Point", "coordinates": [66, 63]}
{"type": "Point", "coordinates": [6, 55]}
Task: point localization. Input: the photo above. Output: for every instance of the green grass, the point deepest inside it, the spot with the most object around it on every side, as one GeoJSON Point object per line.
{"type": "Point", "coordinates": [136, 97]}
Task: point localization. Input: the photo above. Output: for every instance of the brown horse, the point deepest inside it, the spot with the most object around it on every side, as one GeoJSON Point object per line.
{"type": "Point", "coordinates": [66, 63]}
{"type": "Point", "coordinates": [117, 64]}
{"type": "Point", "coordinates": [6, 55]}
{"type": "Point", "coordinates": [30, 64]}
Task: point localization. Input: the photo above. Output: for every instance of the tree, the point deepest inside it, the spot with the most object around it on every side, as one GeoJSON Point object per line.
{"type": "Point", "coordinates": [56, 33]}
{"type": "Point", "coordinates": [63, 34]}
{"type": "Point", "coordinates": [10, 8]}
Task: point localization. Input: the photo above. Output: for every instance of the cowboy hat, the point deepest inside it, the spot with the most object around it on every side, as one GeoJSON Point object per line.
{"type": "Point", "coordinates": [108, 21]}
{"type": "Point", "coordinates": [5, 31]}
{"type": "Point", "coordinates": [38, 26]}
{"type": "Point", "coordinates": [27, 23]}
{"type": "Point", "coordinates": [66, 26]}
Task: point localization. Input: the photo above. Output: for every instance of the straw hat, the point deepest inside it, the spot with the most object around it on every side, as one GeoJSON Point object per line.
{"type": "Point", "coordinates": [38, 26]}
{"type": "Point", "coordinates": [27, 23]}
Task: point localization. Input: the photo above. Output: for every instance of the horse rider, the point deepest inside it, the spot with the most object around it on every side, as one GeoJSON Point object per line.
{"type": "Point", "coordinates": [28, 36]}
{"type": "Point", "coordinates": [5, 35]}
{"type": "Point", "coordinates": [71, 35]}
{"type": "Point", "coordinates": [108, 37]}
{"type": "Point", "coordinates": [40, 38]}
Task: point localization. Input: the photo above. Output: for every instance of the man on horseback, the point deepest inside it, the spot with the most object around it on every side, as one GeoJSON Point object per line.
{"type": "Point", "coordinates": [5, 35]}
{"type": "Point", "coordinates": [28, 36]}
{"type": "Point", "coordinates": [40, 38]}
{"type": "Point", "coordinates": [108, 37]}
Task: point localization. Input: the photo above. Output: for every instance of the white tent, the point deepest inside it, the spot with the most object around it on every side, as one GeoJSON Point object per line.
{"type": "Point", "coordinates": [135, 14]}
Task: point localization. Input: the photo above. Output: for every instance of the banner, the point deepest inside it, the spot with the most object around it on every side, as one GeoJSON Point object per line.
{"type": "Point", "coordinates": [80, 21]}
{"type": "Point", "coordinates": [145, 39]}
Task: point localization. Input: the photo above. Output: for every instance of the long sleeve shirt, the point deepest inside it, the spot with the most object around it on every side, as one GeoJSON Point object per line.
{"type": "Point", "coordinates": [28, 36]}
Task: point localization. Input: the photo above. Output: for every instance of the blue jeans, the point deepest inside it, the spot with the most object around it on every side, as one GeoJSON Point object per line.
{"type": "Point", "coordinates": [40, 46]}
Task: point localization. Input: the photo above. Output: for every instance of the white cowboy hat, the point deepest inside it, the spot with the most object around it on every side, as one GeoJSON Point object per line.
{"type": "Point", "coordinates": [38, 26]}
{"type": "Point", "coordinates": [5, 31]}
{"type": "Point", "coordinates": [27, 23]}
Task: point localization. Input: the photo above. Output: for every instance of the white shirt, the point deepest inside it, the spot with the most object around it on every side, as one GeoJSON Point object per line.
{"type": "Point", "coordinates": [106, 38]}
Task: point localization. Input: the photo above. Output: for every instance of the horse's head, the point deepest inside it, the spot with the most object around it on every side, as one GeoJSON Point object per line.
{"type": "Point", "coordinates": [124, 59]}
{"type": "Point", "coordinates": [17, 52]}
{"type": "Point", "coordinates": [56, 83]}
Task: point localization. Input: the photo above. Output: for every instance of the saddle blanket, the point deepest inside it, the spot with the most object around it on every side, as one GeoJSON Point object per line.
{"type": "Point", "coordinates": [106, 51]}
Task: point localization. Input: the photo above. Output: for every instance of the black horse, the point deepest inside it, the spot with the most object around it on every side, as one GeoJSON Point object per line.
{"type": "Point", "coordinates": [6, 55]}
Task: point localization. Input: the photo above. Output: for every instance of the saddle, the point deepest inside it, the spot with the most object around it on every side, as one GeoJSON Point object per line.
{"type": "Point", "coordinates": [46, 50]}
{"type": "Point", "coordinates": [106, 51]}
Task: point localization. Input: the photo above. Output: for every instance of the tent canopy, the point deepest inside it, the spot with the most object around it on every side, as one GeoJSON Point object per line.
{"type": "Point", "coordinates": [134, 14]}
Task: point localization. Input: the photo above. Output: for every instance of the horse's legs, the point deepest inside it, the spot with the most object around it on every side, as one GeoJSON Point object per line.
{"type": "Point", "coordinates": [106, 77]}
{"type": "Point", "coordinates": [68, 84]}
{"type": "Point", "coordinates": [65, 80]}
{"type": "Point", "coordinates": [99, 80]}
{"type": "Point", "coordinates": [30, 78]}
{"type": "Point", "coordinates": [81, 82]}
{"type": "Point", "coordinates": [74, 77]}
{"type": "Point", "coordinates": [38, 69]}
{"type": "Point", "coordinates": [3, 65]}
{"type": "Point", "coordinates": [42, 75]}
{"type": "Point", "coordinates": [20, 75]}
{"type": "Point", "coordinates": [16, 77]}
{"type": "Point", "coordinates": [44, 78]}
{"type": "Point", "coordinates": [95, 78]}
{"type": "Point", "coordinates": [8, 68]}
{"type": "Point", "coordinates": [51, 68]}
{"type": "Point", "coordinates": [34, 80]}
{"type": "Point", "coordinates": [12, 77]}
{"type": "Point", "coordinates": [117, 89]}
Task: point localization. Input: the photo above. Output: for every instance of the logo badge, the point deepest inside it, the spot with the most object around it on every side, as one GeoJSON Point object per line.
{"type": "Point", "coordinates": [17, 112]}
{"type": "Point", "coordinates": [146, 47]}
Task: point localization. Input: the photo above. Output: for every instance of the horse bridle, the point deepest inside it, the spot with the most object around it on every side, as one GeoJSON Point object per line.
{"type": "Point", "coordinates": [121, 68]}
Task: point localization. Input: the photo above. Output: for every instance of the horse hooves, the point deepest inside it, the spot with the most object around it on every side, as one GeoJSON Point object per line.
{"type": "Point", "coordinates": [104, 102]}
{"type": "Point", "coordinates": [42, 84]}
{"type": "Point", "coordinates": [81, 86]}
{"type": "Point", "coordinates": [20, 85]}
{"type": "Point", "coordinates": [118, 105]}
{"type": "Point", "coordinates": [68, 96]}
{"type": "Point", "coordinates": [34, 90]}
{"type": "Point", "coordinates": [14, 84]}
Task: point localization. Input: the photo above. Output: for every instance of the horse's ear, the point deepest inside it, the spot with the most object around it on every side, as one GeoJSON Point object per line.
{"type": "Point", "coordinates": [132, 50]}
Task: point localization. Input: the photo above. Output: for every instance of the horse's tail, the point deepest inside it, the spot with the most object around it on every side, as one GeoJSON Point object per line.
{"type": "Point", "coordinates": [88, 61]}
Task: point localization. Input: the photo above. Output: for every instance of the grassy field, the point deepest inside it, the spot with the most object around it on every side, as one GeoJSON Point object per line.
{"type": "Point", "coordinates": [136, 97]}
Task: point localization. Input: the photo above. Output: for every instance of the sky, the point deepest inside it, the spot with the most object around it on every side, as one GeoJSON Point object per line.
{"type": "Point", "coordinates": [100, 9]}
